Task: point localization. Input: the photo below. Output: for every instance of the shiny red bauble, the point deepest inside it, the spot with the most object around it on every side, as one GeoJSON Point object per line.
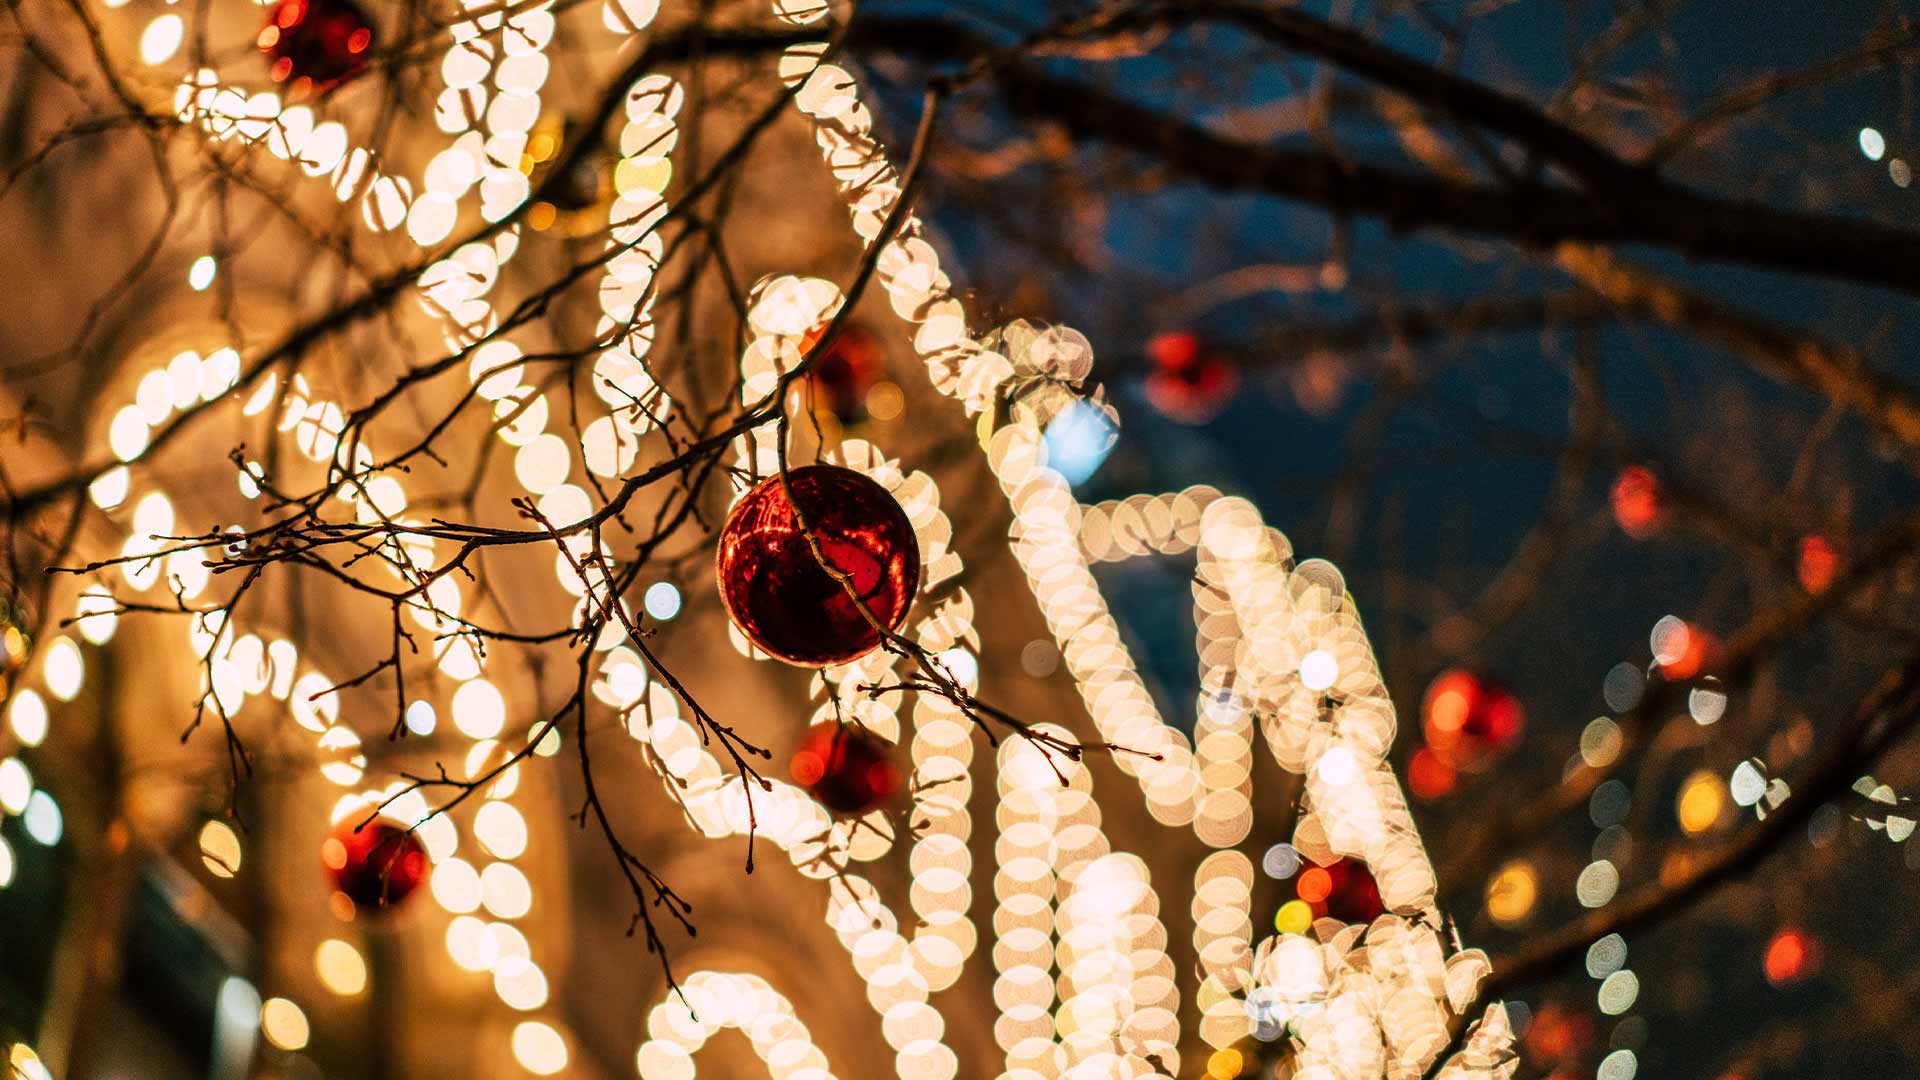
{"type": "Point", "coordinates": [1343, 890]}
{"type": "Point", "coordinates": [376, 867]}
{"type": "Point", "coordinates": [1469, 719]}
{"type": "Point", "coordinates": [315, 45]}
{"type": "Point", "coordinates": [1189, 384]}
{"type": "Point", "coordinates": [776, 591]}
{"type": "Point", "coordinates": [842, 375]}
{"type": "Point", "coordinates": [849, 769]}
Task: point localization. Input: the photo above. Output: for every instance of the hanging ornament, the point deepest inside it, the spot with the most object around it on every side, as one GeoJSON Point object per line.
{"type": "Point", "coordinates": [1470, 719]}
{"type": "Point", "coordinates": [1343, 889]}
{"type": "Point", "coordinates": [842, 376]}
{"type": "Point", "coordinates": [377, 867]}
{"type": "Point", "coordinates": [848, 768]}
{"type": "Point", "coordinates": [1189, 384]}
{"type": "Point", "coordinates": [776, 591]}
{"type": "Point", "coordinates": [315, 45]}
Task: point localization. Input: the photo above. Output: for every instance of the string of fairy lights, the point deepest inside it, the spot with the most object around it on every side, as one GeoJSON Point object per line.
{"type": "Point", "coordinates": [477, 706]}
{"type": "Point", "coordinates": [1084, 983]}
{"type": "Point", "coordinates": [1300, 639]}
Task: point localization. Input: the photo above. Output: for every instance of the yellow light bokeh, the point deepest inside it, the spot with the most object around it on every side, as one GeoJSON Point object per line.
{"type": "Point", "coordinates": [1703, 798]}
{"type": "Point", "coordinates": [1294, 917]}
{"type": "Point", "coordinates": [1512, 892]}
{"type": "Point", "coordinates": [219, 849]}
{"type": "Point", "coordinates": [340, 967]}
{"type": "Point", "coordinates": [284, 1025]}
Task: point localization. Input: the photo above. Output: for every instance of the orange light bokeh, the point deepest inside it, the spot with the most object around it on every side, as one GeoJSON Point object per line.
{"type": "Point", "coordinates": [1314, 886]}
{"type": "Point", "coordinates": [1636, 501]}
{"type": "Point", "coordinates": [1791, 954]}
{"type": "Point", "coordinates": [1819, 563]}
{"type": "Point", "coordinates": [1696, 653]}
{"type": "Point", "coordinates": [1428, 774]}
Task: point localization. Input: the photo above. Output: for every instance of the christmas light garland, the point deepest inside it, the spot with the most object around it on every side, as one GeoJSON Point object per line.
{"type": "Point", "coordinates": [1277, 642]}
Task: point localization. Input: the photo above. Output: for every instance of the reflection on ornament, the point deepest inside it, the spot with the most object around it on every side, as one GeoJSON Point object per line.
{"type": "Point", "coordinates": [776, 591]}
{"type": "Point", "coordinates": [841, 376]}
{"type": "Point", "coordinates": [377, 867]}
{"type": "Point", "coordinates": [848, 768]}
{"type": "Point", "coordinates": [1343, 889]}
{"type": "Point", "coordinates": [316, 45]}
{"type": "Point", "coordinates": [1190, 385]}
{"type": "Point", "coordinates": [1470, 719]}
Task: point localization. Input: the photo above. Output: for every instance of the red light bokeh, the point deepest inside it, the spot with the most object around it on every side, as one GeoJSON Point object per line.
{"type": "Point", "coordinates": [1636, 501]}
{"type": "Point", "coordinates": [1344, 889]}
{"type": "Point", "coordinates": [1428, 774]}
{"type": "Point", "coordinates": [1791, 954]}
{"type": "Point", "coordinates": [1188, 384]}
{"type": "Point", "coordinates": [1819, 563]}
{"type": "Point", "coordinates": [1470, 719]}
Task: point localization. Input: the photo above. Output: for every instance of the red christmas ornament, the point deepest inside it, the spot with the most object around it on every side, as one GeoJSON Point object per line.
{"type": "Point", "coordinates": [776, 591]}
{"type": "Point", "coordinates": [841, 376]}
{"type": "Point", "coordinates": [1343, 890]}
{"type": "Point", "coordinates": [1470, 719]}
{"type": "Point", "coordinates": [849, 769]}
{"type": "Point", "coordinates": [316, 45]}
{"type": "Point", "coordinates": [1190, 385]}
{"type": "Point", "coordinates": [377, 867]}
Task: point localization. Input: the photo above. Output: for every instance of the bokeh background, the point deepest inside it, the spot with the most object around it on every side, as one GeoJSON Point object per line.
{"type": "Point", "coordinates": [1550, 498]}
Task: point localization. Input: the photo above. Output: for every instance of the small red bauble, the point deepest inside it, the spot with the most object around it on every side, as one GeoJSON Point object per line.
{"type": "Point", "coordinates": [1343, 890]}
{"type": "Point", "coordinates": [1469, 719]}
{"type": "Point", "coordinates": [851, 366]}
{"type": "Point", "coordinates": [1190, 385]}
{"type": "Point", "coordinates": [316, 45]}
{"type": "Point", "coordinates": [849, 769]}
{"type": "Point", "coordinates": [377, 867]}
{"type": "Point", "coordinates": [778, 594]}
